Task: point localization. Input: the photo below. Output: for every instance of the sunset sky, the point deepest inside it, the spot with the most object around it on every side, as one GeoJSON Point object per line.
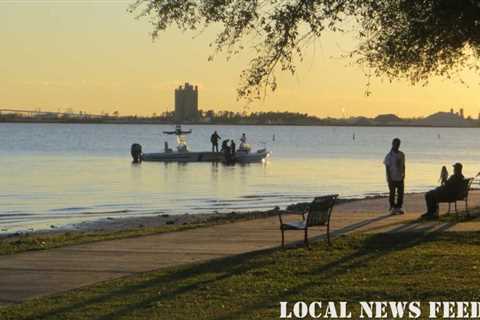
{"type": "Point", "coordinates": [94, 56]}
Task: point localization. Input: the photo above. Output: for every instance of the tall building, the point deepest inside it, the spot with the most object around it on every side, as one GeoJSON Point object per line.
{"type": "Point", "coordinates": [186, 103]}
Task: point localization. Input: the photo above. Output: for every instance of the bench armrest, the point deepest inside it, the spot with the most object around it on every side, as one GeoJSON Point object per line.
{"type": "Point", "coordinates": [298, 213]}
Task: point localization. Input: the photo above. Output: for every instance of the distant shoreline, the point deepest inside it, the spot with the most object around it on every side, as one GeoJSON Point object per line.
{"type": "Point", "coordinates": [146, 122]}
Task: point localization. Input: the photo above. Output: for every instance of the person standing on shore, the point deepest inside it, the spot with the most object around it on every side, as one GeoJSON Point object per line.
{"type": "Point", "coordinates": [395, 169]}
{"type": "Point", "coordinates": [214, 140]}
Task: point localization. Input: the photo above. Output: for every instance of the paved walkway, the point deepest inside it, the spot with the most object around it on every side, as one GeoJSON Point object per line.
{"type": "Point", "coordinates": [34, 274]}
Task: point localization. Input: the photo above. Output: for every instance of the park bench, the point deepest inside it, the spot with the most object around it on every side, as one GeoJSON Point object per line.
{"type": "Point", "coordinates": [317, 214]}
{"type": "Point", "coordinates": [462, 195]}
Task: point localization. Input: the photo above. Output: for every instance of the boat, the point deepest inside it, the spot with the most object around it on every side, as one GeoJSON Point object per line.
{"type": "Point", "coordinates": [244, 154]}
{"type": "Point", "coordinates": [178, 131]}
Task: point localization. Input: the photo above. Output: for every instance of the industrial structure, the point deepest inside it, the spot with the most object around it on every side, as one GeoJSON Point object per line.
{"type": "Point", "coordinates": [186, 103]}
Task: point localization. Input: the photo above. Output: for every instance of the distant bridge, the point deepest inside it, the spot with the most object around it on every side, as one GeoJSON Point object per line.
{"type": "Point", "coordinates": [33, 113]}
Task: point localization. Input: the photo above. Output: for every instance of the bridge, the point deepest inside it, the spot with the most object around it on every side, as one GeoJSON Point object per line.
{"type": "Point", "coordinates": [39, 113]}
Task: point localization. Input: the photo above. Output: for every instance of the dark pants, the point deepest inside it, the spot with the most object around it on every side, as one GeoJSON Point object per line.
{"type": "Point", "coordinates": [396, 193]}
{"type": "Point", "coordinates": [433, 197]}
{"type": "Point", "coordinates": [214, 146]}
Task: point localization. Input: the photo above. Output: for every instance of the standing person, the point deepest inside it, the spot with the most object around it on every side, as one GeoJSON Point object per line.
{"type": "Point", "coordinates": [243, 139]}
{"type": "Point", "coordinates": [233, 147]}
{"type": "Point", "coordinates": [395, 168]}
{"type": "Point", "coordinates": [214, 140]}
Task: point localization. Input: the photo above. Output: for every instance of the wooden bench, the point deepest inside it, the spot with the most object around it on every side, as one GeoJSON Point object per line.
{"type": "Point", "coordinates": [317, 214]}
{"type": "Point", "coordinates": [460, 196]}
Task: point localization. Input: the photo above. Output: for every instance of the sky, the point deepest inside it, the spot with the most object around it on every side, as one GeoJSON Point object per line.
{"type": "Point", "coordinates": [94, 56]}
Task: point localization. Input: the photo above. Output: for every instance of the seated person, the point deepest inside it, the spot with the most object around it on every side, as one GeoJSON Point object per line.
{"type": "Point", "coordinates": [446, 191]}
{"type": "Point", "coordinates": [225, 146]}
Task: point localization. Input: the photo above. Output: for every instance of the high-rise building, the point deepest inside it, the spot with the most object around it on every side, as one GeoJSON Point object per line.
{"type": "Point", "coordinates": [186, 102]}
{"type": "Point", "coordinates": [461, 114]}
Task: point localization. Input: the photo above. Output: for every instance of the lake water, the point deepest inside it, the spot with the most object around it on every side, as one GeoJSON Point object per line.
{"type": "Point", "coordinates": [67, 173]}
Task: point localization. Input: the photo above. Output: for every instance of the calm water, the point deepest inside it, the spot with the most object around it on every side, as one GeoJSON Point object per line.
{"type": "Point", "coordinates": [57, 174]}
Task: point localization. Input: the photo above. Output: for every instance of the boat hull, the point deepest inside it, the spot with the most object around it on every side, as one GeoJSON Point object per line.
{"type": "Point", "coordinates": [240, 157]}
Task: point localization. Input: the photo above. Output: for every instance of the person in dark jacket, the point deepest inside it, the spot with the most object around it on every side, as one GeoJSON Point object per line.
{"type": "Point", "coordinates": [451, 187]}
{"type": "Point", "coordinates": [225, 145]}
{"type": "Point", "coordinates": [214, 140]}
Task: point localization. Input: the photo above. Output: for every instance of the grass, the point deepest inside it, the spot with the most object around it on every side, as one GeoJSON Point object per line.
{"type": "Point", "coordinates": [386, 267]}
{"type": "Point", "coordinates": [35, 242]}
{"type": "Point", "coordinates": [461, 216]}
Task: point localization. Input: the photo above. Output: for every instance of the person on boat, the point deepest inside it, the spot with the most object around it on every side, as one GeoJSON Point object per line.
{"type": "Point", "coordinates": [395, 168]}
{"type": "Point", "coordinates": [227, 151]}
{"type": "Point", "coordinates": [214, 140]}
{"type": "Point", "coordinates": [243, 139]}
{"type": "Point", "coordinates": [178, 129]}
{"type": "Point", "coordinates": [225, 145]}
{"type": "Point", "coordinates": [453, 185]}
{"type": "Point", "coordinates": [233, 147]}
{"type": "Point", "coordinates": [244, 147]}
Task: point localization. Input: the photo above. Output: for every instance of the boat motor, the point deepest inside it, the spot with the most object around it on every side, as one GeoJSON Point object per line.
{"type": "Point", "coordinates": [136, 152]}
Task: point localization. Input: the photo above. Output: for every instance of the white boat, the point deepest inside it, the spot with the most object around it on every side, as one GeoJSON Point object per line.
{"type": "Point", "coordinates": [183, 154]}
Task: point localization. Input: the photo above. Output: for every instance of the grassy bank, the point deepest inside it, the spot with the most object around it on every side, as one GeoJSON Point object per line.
{"type": "Point", "coordinates": [387, 267]}
{"type": "Point", "coordinates": [43, 241]}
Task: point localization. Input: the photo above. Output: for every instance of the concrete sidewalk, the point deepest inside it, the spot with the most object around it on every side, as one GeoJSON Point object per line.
{"type": "Point", "coordinates": [34, 274]}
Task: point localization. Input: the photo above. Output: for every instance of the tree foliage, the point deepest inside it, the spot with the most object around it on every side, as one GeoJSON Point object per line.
{"type": "Point", "coordinates": [414, 39]}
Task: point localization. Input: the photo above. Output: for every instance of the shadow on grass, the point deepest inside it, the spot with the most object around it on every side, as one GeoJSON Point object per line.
{"type": "Point", "coordinates": [198, 277]}
{"type": "Point", "coordinates": [374, 247]}
{"type": "Point", "coordinates": [201, 275]}
{"type": "Point", "coordinates": [222, 268]}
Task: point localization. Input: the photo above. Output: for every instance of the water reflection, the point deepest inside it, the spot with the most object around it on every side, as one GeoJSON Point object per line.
{"type": "Point", "coordinates": [53, 168]}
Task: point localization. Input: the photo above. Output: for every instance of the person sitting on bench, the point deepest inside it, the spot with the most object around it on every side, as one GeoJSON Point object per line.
{"type": "Point", "coordinates": [453, 185]}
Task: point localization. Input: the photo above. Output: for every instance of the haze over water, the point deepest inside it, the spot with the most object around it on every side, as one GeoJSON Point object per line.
{"type": "Point", "coordinates": [68, 173]}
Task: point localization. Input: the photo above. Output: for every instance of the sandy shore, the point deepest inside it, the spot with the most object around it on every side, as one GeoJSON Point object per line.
{"type": "Point", "coordinates": [414, 203]}
{"type": "Point", "coordinates": [112, 224]}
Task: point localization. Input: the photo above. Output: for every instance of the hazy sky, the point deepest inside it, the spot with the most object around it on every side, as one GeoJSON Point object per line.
{"type": "Point", "coordinates": [94, 56]}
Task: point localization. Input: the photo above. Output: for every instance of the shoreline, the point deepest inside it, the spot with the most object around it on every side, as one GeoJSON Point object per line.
{"type": "Point", "coordinates": [346, 211]}
{"type": "Point", "coordinates": [119, 223]}
{"type": "Point", "coordinates": [114, 224]}
{"type": "Point", "coordinates": [106, 122]}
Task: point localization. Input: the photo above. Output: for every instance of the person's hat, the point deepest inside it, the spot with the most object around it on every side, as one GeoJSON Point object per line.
{"type": "Point", "coordinates": [458, 165]}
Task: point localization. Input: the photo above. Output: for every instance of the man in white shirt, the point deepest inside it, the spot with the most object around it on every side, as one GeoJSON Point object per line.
{"type": "Point", "coordinates": [395, 168]}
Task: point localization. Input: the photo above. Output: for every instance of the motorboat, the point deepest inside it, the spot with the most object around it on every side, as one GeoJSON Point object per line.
{"type": "Point", "coordinates": [244, 154]}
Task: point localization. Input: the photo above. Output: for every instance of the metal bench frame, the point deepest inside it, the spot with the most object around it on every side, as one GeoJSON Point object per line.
{"type": "Point", "coordinates": [317, 214]}
{"type": "Point", "coordinates": [462, 196]}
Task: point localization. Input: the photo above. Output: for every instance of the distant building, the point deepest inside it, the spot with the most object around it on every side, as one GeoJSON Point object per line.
{"type": "Point", "coordinates": [186, 103]}
{"type": "Point", "coordinates": [461, 114]}
{"type": "Point", "coordinates": [446, 119]}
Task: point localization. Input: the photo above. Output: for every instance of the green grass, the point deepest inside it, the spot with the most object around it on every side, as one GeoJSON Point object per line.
{"type": "Point", "coordinates": [461, 216]}
{"type": "Point", "coordinates": [385, 267]}
{"type": "Point", "coordinates": [34, 242]}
